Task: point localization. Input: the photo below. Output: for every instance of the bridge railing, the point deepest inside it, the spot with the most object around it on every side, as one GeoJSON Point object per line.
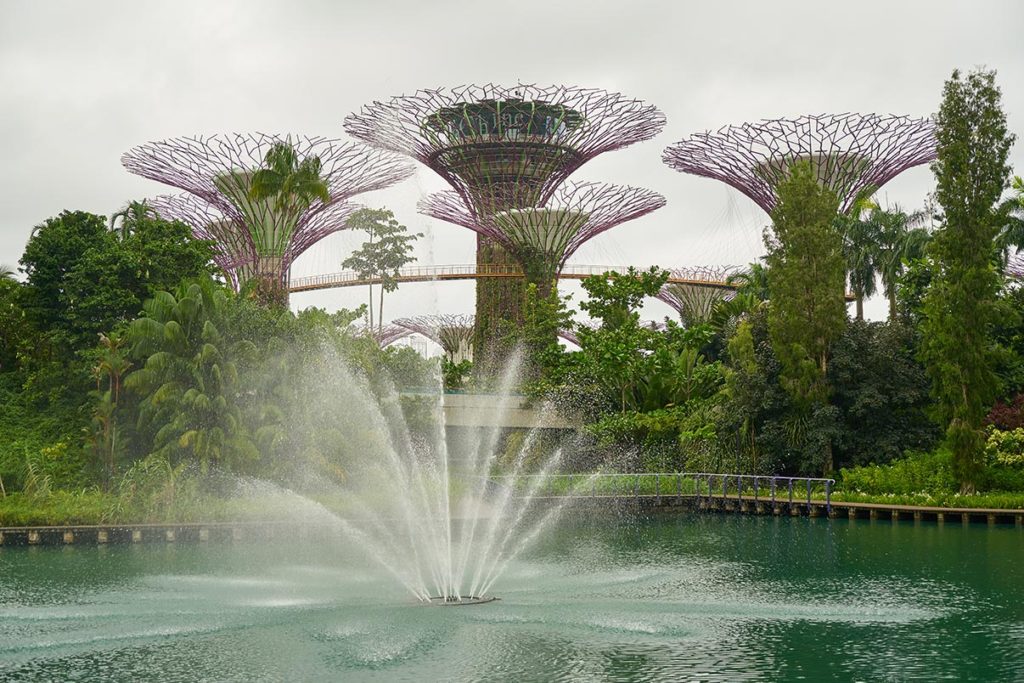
{"type": "Point", "coordinates": [704, 485]}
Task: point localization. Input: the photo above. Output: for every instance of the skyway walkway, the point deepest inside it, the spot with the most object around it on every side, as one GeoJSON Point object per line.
{"type": "Point", "coordinates": [471, 271]}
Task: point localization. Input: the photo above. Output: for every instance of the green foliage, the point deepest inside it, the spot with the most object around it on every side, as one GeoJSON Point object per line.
{"type": "Point", "coordinates": [881, 393]}
{"type": "Point", "coordinates": [543, 318]}
{"type": "Point", "coordinates": [654, 379]}
{"type": "Point", "coordinates": [455, 376]}
{"type": "Point", "coordinates": [83, 279]}
{"type": "Point", "coordinates": [1005, 448]}
{"type": "Point", "coordinates": [971, 173]}
{"type": "Point", "coordinates": [408, 369]}
{"type": "Point", "coordinates": [387, 250]}
{"type": "Point", "coordinates": [806, 277]}
{"type": "Point", "coordinates": [289, 182]}
{"type": "Point", "coordinates": [187, 377]}
{"type": "Point", "coordinates": [918, 472]}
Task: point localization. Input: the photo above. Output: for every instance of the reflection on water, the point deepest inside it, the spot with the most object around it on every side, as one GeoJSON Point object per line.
{"type": "Point", "coordinates": [671, 598]}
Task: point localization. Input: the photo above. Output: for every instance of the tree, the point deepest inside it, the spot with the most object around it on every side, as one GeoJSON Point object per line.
{"type": "Point", "coordinates": [614, 355]}
{"type": "Point", "coordinates": [901, 239]}
{"type": "Point", "coordinates": [971, 172]}
{"type": "Point", "coordinates": [753, 281]}
{"type": "Point", "coordinates": [187, 382]}
{"type": "Point", "coordinates": [383, 255]}
{"type": "Point", "coordinates": [860, 239]}
{"type": "Point", "coordinates": [1011, 213]}
{"type": "Point", "coordinates": [291, 186]}
{"type": "Point", "coordinates": [6, 272]}
{"type": "Point", "coordinates": [82, 279]}
{"type": "Point", "coordinates": [14, 328]}
{"type": "Point", "coordinates": [806, 280]}
{"type": "Point", "coordinates": [288, 181]}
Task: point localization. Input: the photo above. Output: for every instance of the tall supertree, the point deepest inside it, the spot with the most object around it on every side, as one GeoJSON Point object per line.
{"type": "Point", "coordinates": [542, 238]}
{"type": "Point", "coordinates": [454, 333]}
{"type": "Point", "coordinates": [694, 292]}
{"type": "Point", "coordinates": [262, 236]}
{"type": "Point", "coordinates": [848, 153]}
{"type": "Point", "coordinates": [504, 149]}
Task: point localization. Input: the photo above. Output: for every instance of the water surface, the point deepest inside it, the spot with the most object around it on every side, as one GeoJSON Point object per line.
{"type": "Point", "coordinates": [685, 597]}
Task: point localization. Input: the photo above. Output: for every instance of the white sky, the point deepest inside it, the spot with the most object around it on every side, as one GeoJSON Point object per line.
{"type": "Point", "coordinates": [81, 82]}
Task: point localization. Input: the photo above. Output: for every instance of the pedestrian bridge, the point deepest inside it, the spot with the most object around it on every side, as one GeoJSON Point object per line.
{"type": "Point", "coordinates": [692, 276]}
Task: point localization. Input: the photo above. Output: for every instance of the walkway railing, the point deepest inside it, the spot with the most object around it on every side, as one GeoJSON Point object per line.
{"type": "Point", "coordinates": [704, 485]}
{"type": "Point", "coordinates": [351, 278]}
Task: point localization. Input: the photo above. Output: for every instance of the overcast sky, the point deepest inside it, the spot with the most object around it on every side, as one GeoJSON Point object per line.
{"type": "Point", "coordinates": [81, 82]}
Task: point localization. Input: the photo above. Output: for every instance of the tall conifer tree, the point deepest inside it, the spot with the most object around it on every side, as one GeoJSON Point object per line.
{"type": "Point", "coordinates": [971, 172]}
{"type": "Point", "coordinates": [806, 282]}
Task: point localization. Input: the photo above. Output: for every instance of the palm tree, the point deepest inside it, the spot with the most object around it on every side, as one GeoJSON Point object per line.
{"type": "Point", "coordinates": [1010, 212]}
{"type": "Point", "coordinates": [901, 238]}
{"type": "Point", "coordinates": [860, 238]}
{"type": "Point", "coordinates": [288, 187]}
{"type": "Point", "coordinates": [753, 281]}
{"type": "Point", "coordinates": [133, 214]}
{"type": "Point", "coordinates": [860, 252]}
{"type": "Point", "coordinates": [288, 181]}
{"type": "Point", "coordinates": [6, 272]}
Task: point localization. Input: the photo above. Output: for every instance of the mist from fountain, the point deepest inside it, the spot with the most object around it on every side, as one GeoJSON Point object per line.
{"type": "Point", "coordinates": [444, 526]}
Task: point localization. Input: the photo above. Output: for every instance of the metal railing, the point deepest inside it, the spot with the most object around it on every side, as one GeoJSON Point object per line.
{"type": "Point", "coordinates": [351, 278]}
{"type": "Point", "coordinates": [703, 485]}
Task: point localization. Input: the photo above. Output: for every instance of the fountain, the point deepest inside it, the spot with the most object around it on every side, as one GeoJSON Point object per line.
{"type": "Point", "coordinates": [433, 514]}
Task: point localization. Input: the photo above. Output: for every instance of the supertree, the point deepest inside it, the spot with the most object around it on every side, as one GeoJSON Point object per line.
{"type": "Point", "coordinates": [695, 300]}
{"type": "Point", "coordinates": [849, 153]}
{"type": "Point", "coordinates": [384, 335]}
{"type": "Point", "coordinates": [542, 238]}
{"type": "Point", "coordinates": [234, 251]}
{"type": "Point", "coordinates": [504, 149]}
{"type": "Point", "coordinates": [266, 234]}
{"type": "Point", "coordinates": [454, 333]}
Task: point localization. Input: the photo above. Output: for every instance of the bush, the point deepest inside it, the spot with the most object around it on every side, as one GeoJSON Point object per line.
{"type": "Point", "coordinates": [1005, 448]}
{"type": "Point", "coordinates": [915, 473]}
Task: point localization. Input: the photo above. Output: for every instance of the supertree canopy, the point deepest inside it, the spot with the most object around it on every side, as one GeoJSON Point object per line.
{"type": "Point", "coordinates": [543, 238]}
{"type": "Point", "coordinates": [694, 301]}
{"type": "Point", "coordinates": [454, 333]}
{"type": "Point", "coordinates": [218, 170]}
{"type": "Point", "coordinates": [234, 250]}
{"type": "Point", "coordinates": [384, 335]}
{"type": "Point", "coordinates": [848, 153]}
{"type": "Point", "coordinates": [503, 150]}
{"type": "Point", "coordinates": [505, 147]}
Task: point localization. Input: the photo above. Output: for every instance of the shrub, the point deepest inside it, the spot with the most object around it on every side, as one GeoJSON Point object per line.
{"type": "Point", "coordinates": [915, 473]}
{"type": "Point", "coordinates": [1005, 448]}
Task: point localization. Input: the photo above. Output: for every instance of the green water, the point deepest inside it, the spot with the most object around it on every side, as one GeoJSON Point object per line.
{"type": "Point", "coordinates": [681, 598]}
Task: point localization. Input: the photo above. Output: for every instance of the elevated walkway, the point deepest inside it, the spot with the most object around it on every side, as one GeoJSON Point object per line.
{"type": "Point", "coordinates": [471, 271]}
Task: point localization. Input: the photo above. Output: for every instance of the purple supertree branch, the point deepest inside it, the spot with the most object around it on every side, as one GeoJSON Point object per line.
{"type": "Point", "coordinates": [574, 214]}
{"type": "Point", "coordinates": [232, 244]}
{"type": "Point", "coordinates": [451, 331]}
{"type": "Point", "coordinates": [218, 171]}
{"type": "Point", "coordinates": [694, 302]}
{"type": "Point", "coordinates": [853, 152]}
{"type": "Point", "coordinates": [195, 163]}
{"type": "Point", "coordinates": [502, 147]}
{"type": "Point", "coordinates": [329, 220]}
{"type": "Point", "coordinates": [385, 335]}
